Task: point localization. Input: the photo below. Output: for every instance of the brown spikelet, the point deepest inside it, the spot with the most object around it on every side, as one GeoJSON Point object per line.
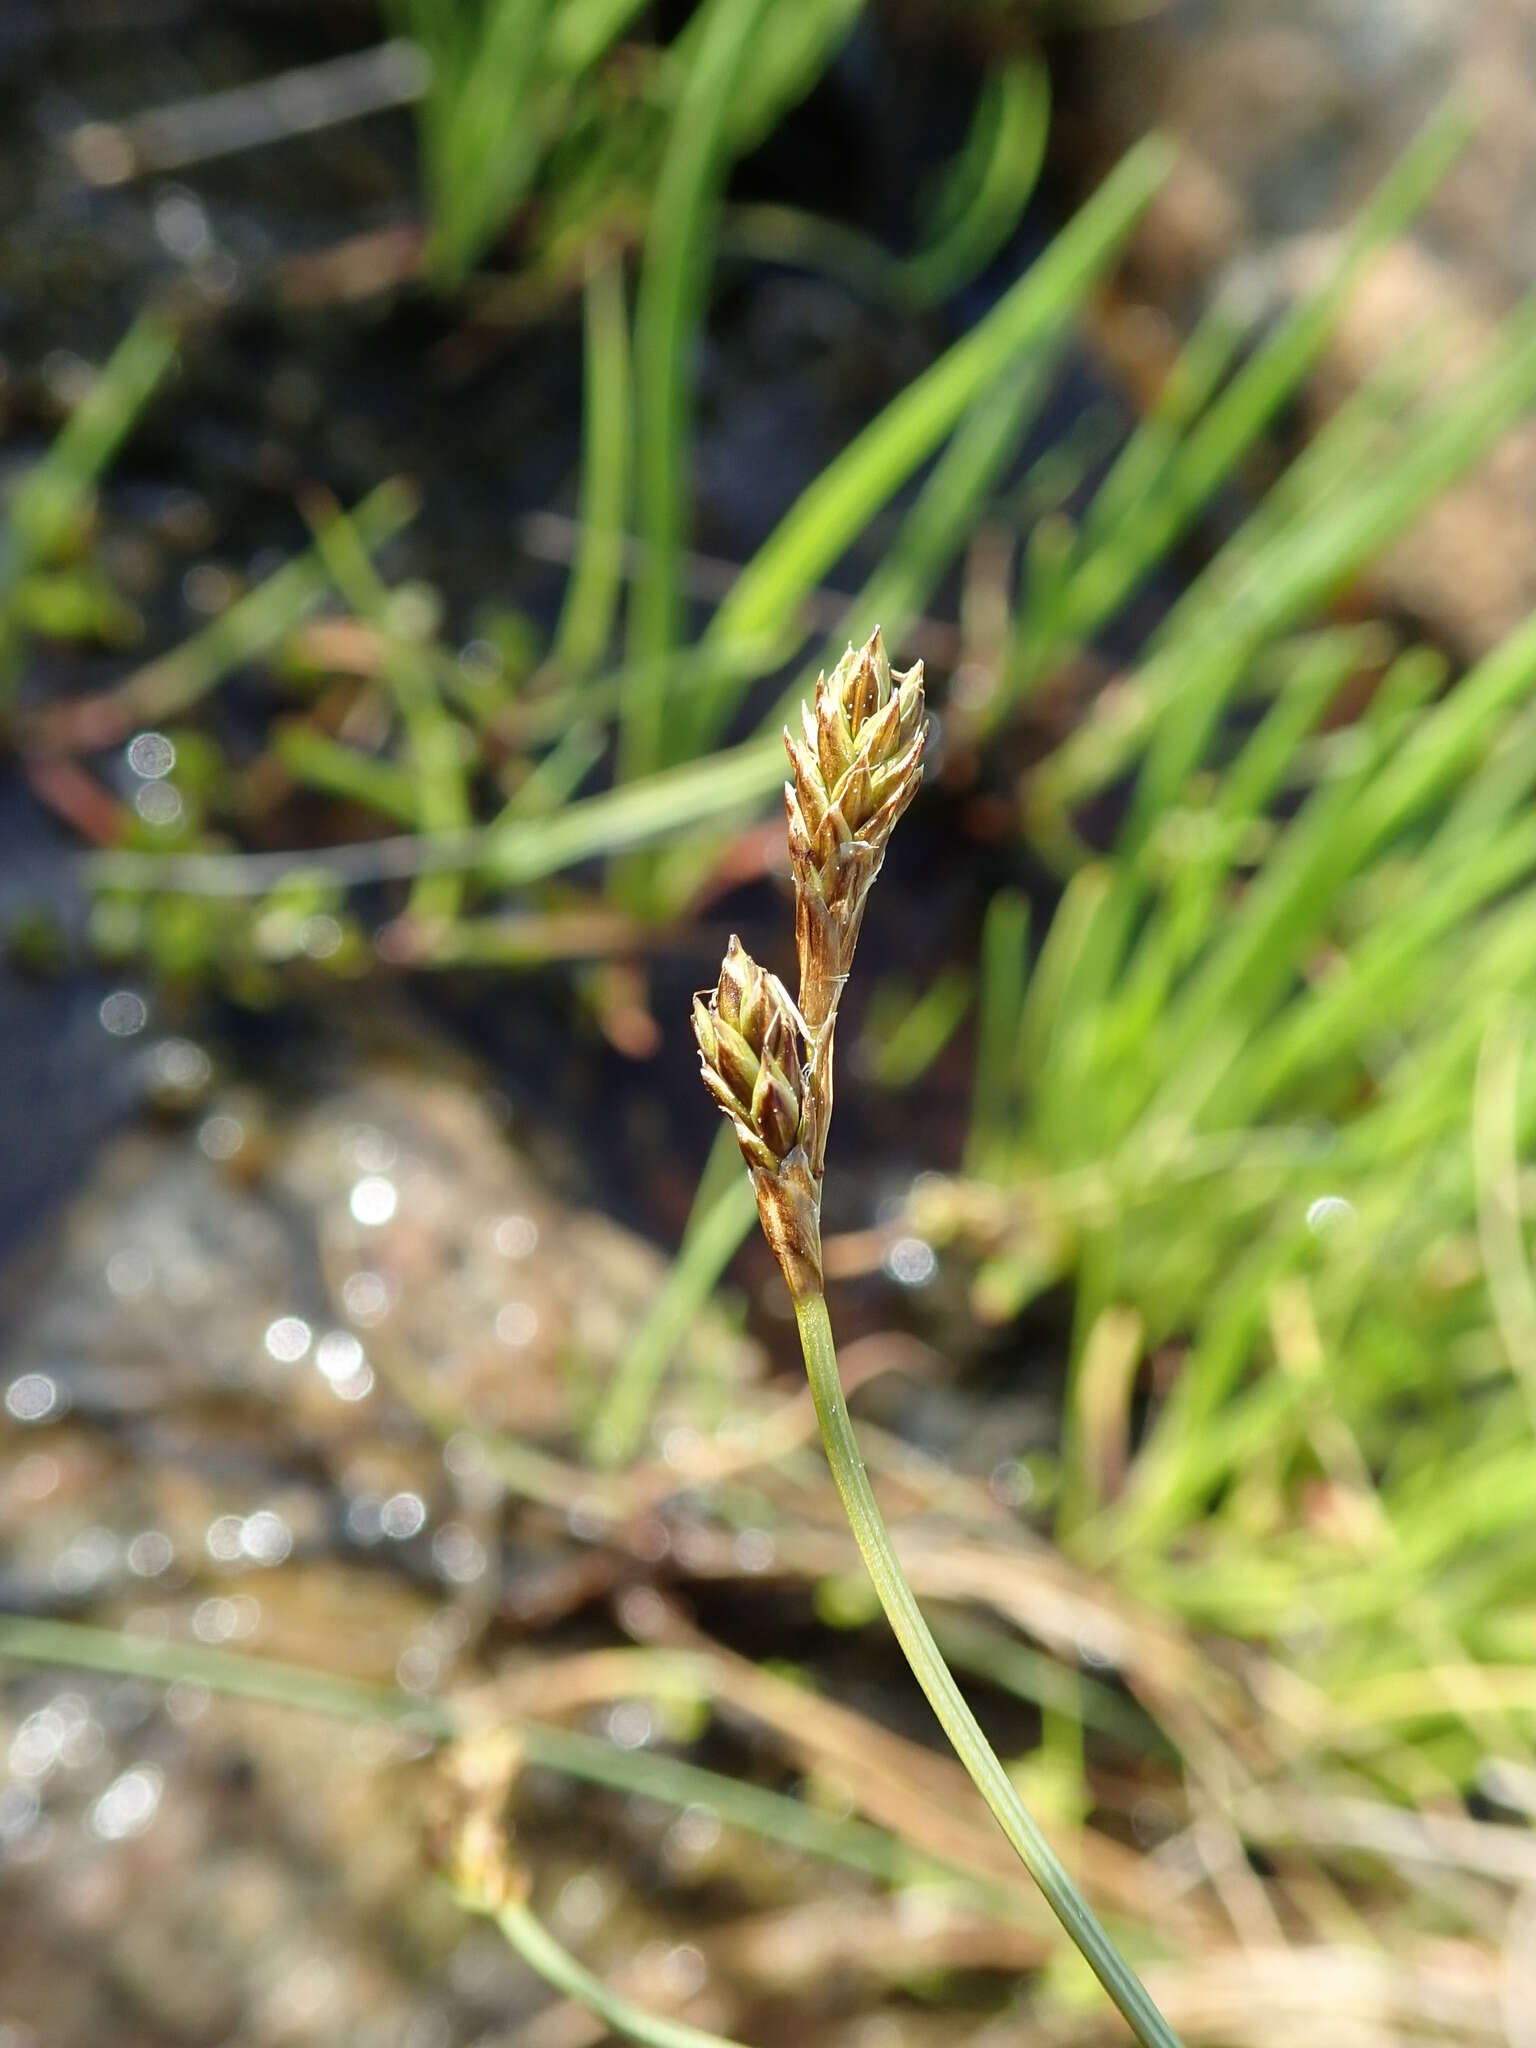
{"type": "Point", "coordinates": [855, 770]}
{"type": "Point", "coordinates": [749, 1054]}
{"type": "Point", "coordinates": [855, 767]}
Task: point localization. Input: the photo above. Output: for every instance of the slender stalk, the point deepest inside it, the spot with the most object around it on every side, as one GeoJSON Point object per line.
{"type": "Point", "coordinates": [767, 1062]}
{"type": "Point", "coordinates": [557, 1966]}
{"type": "Point", "coordinates": [945, 1696]}
{"type": "Point", "coordinates": [773, 1816]}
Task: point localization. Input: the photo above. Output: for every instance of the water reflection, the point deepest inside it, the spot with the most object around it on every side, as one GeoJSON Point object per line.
{"type": "Point", "coordinates": [151, 755]}
{"type": "Point", "coordinates": [150, 1553]}
{"type": "Point", "coordinates": [128, 1805]}
{"type": "Point", "coordinates": [220, 1137]}
{"type": "Point", "coordinates": [374, 1200]}
{"type": "Point", "coordinates": [226, 1487]}
{"type": "Point", "coordinates": [402, 1516]}
{"type": "Point", "coordinates": [123, 1013]}
{"type": "Point", "coordinates": [287, 1339]}
{"type": "Point", "coordinates": [32, 1397]}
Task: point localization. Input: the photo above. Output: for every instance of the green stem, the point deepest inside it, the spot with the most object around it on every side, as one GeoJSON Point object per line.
{"type": "Point", "coordinates": [597, 580]}
{"type": "Point", "coordinates": [945, 1696]}
{"type": "Point", "coordinates": [557, 1966]}
{"type": "Point", "coordinates": [774, 1816]}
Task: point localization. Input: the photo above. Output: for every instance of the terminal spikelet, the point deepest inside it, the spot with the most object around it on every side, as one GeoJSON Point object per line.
{"type": "Point", "coordinates": [856, 768]}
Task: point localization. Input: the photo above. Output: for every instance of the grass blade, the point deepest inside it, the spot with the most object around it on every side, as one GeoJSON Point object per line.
{"type": "Point", "coordinates": [724, 1212]}
{"type": "Point", "coordinates": [592, 594]}
{"type": "Point", "coordinates": [668, 311]}
{"type": "Point", "coordinates": [829, 515]}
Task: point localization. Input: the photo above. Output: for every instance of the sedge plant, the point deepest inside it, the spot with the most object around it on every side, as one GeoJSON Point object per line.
{"type": "Point", "coordinates": [767, 1061]}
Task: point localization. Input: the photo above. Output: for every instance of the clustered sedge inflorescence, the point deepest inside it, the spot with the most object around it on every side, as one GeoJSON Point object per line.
{"type": "Point", "coordinates": [767, 1060]}
{"type": "Point", "coordinates": [768, 1063]}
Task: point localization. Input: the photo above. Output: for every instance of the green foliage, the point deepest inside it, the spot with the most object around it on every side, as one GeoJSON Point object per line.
{"type": "Point", "coordinates": [1233, 1011]}
{"type": "Point", "coordinates": [667, 318]}
{"type": "Point", "coordinates": [981, 395]}
{"type": "Point", "coordinates": [1260, 1094]}
{"type": "Point", "coordinates": [48, 586]}
{"type": "Point", "coordinates": [526, 102]}
{"type": "Point", "coordinates": [1251, 1078]}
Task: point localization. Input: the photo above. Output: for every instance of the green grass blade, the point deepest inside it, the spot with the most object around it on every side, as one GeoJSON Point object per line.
{"type": "Point", "coordinates": [905, 1034]}
{"type": "Point", "coordinates": [1262, 943]}
{"type": "Point", "coordinates": [317, 761]}
{"type": "Point", "coordinates": [1113, 570]}
{"type": "Point", "coordinates": [724, 1211]}
{"type": "Point", "coordinates": [253, 627]}
{"type": "Point", "coordinates": [1188, 912]}
{"type": "Point", "coordinates": [799, 43]}
{"type": "Point", "coordinates": [947, 508]}
{"type": "Point", "coordinates": [708, 791]}
{"type": "Point", "coordinates": [592, 594]}
{"type": "Point", "coordinates": [856, 1845]}
{"type": "Point", "coordinates": [489, 126]}
{"type": "Point", "coordinates": [582, 31]}
{"type": "Point", "coordinates": [765, 601]}
{"type": "Point", "coordinates": [1143, 463]}
{"type": "Point", "coordinates": [999, 1010]}
{"type": "Point", "coordinates": [435, 740]}
{"type": "Point", "coordinates": [668, 313]}
{"type": "Point", "coordinates": [54, 493]}
{"type": "Point", "coordinates": [546, 790]}
{"type": "Point", "coordinates": [1013, 117]}
{"type": "Point", "coordinates": [525, 1933]}
{"type": "Point", "coordinates": [1244, 599]}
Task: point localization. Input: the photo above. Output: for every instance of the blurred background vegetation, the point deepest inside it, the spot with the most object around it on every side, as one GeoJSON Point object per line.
{"type": "Point", "coordinates": [442, 441]}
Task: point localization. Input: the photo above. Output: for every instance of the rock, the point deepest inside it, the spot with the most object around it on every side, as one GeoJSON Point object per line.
{"type": "Point", "coordinates": [203, 1446]}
